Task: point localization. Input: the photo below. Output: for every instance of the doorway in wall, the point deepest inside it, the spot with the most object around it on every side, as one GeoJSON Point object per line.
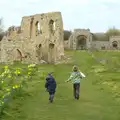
{"type": "Point", "coordinates": [81, 42]}
{"type": "Point", "coordinates": [39, 52]}
{"type": "Point", "coordinates": [51, 53]}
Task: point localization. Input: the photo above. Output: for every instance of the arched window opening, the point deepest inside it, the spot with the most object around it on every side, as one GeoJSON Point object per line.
{"type": "Point", "coordinates": [31, 27]}
{"type": "Point", "coordinates": [52, 26]}
{"type": "Point", "coordinates": [115, 44]}
{"type": "Point", "coordinates": [38, 28]}
{"type": "Point", "coordinates": [51, 46]}
{"type": "Point", "coordinates": [40, 46]}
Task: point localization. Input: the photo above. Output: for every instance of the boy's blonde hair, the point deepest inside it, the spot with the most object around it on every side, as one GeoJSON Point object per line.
{"type": "Point", "coordinates": [75, 68]}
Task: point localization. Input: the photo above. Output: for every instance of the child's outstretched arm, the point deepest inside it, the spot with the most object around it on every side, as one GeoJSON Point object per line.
{"type": "Point", "coordinates": [70, 78]}
{"type": "Point", "coordinates": [81, 74]}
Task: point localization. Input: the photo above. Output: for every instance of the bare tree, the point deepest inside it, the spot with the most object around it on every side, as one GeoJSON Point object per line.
{"type": "Point", "coordinates": [1, 29]}
{"type": "Point", "coordinates": [1, 25]}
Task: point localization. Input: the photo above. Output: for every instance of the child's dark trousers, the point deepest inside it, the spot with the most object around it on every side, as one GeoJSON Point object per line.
{"type": "Point", "coordinates": [76, 90]}
{"type": "Point", "coordinates": [51, 96]}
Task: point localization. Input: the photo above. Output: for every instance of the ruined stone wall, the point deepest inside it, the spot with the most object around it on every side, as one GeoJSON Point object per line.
{"type": "Point", "coordinates": [100, 45]}
{"type": "Point", "coordinates": [19, 50]}
{"type": "Point", "coordinates": [13, 33]}
{"type": "Point", "coordinates": [40, 37]}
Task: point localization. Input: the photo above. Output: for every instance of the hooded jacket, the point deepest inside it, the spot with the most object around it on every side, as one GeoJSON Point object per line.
{"type": "Point", "coordinates": [50, 84]}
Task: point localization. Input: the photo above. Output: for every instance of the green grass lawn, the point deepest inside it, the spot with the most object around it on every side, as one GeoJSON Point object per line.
{"type": "Point", "coordinates": [98, 99]}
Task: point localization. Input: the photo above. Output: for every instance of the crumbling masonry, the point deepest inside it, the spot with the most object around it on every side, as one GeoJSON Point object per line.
{"type": "Point", "coordinates": [40, 37]}
{"type": "Point", "coordinates": [82, 39]}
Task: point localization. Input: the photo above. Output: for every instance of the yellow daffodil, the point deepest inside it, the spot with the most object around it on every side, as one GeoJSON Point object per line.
{"type": "Point", "coordinates": [31, 65]}
{"type": "Point", "coordinates": [17, 72]}
{"type": "Point", "coordinates": [16, 86]}
{"type": "Point", "coordinates": [13, 87]}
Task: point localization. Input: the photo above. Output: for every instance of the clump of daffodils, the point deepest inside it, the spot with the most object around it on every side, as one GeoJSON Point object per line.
{"type": "Point", "coordinates": [16, 86]}
{"type": "Point", "coordinates": [6, 71]}
{"type": "Point", "coordinates": [32, 66]}
{"type": "Point", "coordinates": [31, 69]}
{"type": "Point", "coordinates": [17, 71]}
{"type": "Point", "coordinates": [12, 81]}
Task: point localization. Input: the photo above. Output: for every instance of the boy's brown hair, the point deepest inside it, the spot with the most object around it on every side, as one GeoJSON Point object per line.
{"type": "Point", "coordinates": [75, 68]}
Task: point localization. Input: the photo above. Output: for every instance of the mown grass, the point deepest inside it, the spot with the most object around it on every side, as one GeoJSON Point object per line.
{"type": "Point", "coordinates": [97, 99]}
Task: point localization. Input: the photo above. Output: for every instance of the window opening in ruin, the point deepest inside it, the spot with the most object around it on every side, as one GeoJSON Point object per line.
{"type": "Point", "coordinates": [51, 53]}
{"type": "Point", "coordinates": [31, 26]}
{"type": "Point", "coordinates": [81, 42]}
{"type": "Point", "coordinates": [115, 44]}
{"type": "Point", "coordinates": [40, 45]}
{"type": "Point", "coordinates": [52, 26]}
{"type": "Point", "coordinates": [51, 46]}
{"type": "Point", "coordinates": [39, 52]}
{"type": "Point", "coordinates": [38, 28]}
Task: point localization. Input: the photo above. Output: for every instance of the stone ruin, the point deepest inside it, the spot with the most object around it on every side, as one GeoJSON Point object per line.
{"type": "Point", "coordinates": [82, 39]}
{"type": "Point", "coordinates": [39, 38]}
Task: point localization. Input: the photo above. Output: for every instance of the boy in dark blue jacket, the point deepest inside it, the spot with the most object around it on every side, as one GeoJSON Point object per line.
{"type": "Point", "coordinates": [50, 86]}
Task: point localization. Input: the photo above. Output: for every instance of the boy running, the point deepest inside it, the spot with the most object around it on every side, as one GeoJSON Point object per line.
{"type": "Point", "coordinates": [50, 86]}
{"type": "Point", "coordinates": [75, 77]}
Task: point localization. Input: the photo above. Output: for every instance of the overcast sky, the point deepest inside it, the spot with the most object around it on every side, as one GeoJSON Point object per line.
{"type": "Point", "coordinates": [97, 15]}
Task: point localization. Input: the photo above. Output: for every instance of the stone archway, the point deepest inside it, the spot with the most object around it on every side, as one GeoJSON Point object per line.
{"type": "Point", "coordinates": [80, 39]}
{"type": "Point", "coordinates": [115, 44]}
{"type": "Point", "coordinates": [81, 42]}
{"type": "Point", "coordinates": [51, 53]}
